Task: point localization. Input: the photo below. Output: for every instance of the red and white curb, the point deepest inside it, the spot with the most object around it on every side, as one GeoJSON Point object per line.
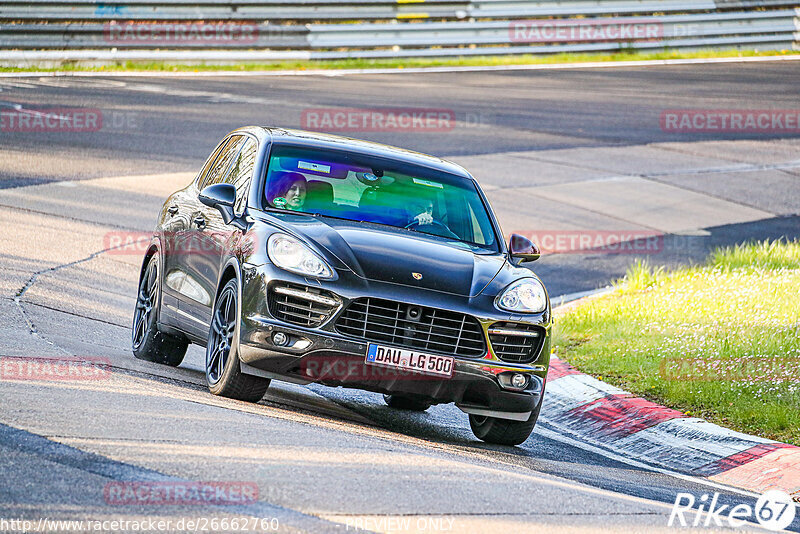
{"type": "Point", "coordinates": [608, 418]}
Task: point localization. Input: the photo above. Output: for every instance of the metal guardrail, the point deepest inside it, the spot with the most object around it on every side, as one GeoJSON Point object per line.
{"type": "Point", "coordinates": [775, 42]}
{"type": "Point", "coordinates": [229, 10]}
{"type": "Point", "coordinates": [40, 30]}
{"type": "Point", "coordinates": [670, 28]}
{"type": "Point", "coordinates": [562, 8]}
{"type": "Point", "coordinates": [361, 10]}
{"type": "Point", "coordinates": [673, 30]}
{"type": "Point", "coordinates": [94, 35]}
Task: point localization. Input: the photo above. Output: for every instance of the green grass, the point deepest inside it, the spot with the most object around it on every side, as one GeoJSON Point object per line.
{"type": "Point", "coordinates": [67, 66]}
{"type": "Point", "coordinates": [736, 318]}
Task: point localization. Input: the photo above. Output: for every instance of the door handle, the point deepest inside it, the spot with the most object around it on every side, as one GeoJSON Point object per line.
{"type": "Point", "coordinates": [200, 221]}
{"type": "Point", "coordinates": [172, 210]}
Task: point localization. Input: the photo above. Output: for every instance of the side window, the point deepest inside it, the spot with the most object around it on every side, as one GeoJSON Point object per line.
{"type": "Point", "coordinates": [210, 163]}
{"type": "Point", "coordinates": [242, 172]}
{"type": "Point", "coordinates": [223, 161]}
{"type": "Point", "coordinates": [481, 226]}
{"type": "Point", "coordinates": [477, 231]}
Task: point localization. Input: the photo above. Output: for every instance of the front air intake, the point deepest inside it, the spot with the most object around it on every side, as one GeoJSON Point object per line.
{"type": "Point", "coordinates": [515, 342]}
{"type": "Point", "coordinates": [301, 305]}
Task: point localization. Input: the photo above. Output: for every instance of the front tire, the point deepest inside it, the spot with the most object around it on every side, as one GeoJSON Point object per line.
{"type": "Point", "coordinates": [147, 342]}
{"type": "Point", "coordinates": [223, 374]}
{"type": "Point", "coordinates": [504, 431]}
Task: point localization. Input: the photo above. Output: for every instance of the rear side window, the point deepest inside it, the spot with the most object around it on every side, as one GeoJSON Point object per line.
{"type": "Point", "coordinates": [224, 159]}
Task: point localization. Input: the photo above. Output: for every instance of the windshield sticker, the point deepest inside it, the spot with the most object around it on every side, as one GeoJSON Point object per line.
{"type": "Point", "coordinates": [419, 181]}
{"type": "Point", "coordinates": [316, 167]}
{"type": "Point", "coordinates": [279, 202]}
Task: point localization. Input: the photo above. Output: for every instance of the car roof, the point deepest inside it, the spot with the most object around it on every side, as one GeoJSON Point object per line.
{"type": "Point", "coordinates": [287, 136]}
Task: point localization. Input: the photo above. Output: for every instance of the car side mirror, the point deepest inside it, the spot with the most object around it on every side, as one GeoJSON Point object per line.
{"type": "Point", "coordinates": [523, 249]}
{"type": "Point", "coordinates": [222, 197]}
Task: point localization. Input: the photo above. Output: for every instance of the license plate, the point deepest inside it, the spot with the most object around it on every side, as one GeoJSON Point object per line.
{"type": "Point", "coordinates": [410, 360]}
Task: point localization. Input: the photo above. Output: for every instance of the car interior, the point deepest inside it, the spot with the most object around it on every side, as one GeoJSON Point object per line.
{"type": "Point", "coordinates": [353, 192]}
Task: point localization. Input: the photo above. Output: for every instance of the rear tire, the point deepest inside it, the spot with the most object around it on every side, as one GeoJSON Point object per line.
{"type": "Point", "coordinates": [406, 403]}
{"type": "Point", "coordinates": [504, 431]}
{"type": "Point", "coordinates": [147, 342]}
{"type": "Point", "coordinates": [223, 372]}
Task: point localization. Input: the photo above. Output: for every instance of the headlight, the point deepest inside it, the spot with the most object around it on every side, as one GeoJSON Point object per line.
{"type": "Point", "coordinates": [290, 254]}
{"type": "Point", "coordinates": [526, 296]}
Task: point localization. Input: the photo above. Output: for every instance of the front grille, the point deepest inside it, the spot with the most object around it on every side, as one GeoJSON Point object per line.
{"type": "Point", "coordinates": [301, 305]}
{"type": "Point", "coordinates": [516, 343]}
{"type": "Point", "coordinates": [418, 327]}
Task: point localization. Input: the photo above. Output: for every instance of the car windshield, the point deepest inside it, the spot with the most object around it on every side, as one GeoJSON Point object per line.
{"type": "Point", "coordinates": [376, 190]}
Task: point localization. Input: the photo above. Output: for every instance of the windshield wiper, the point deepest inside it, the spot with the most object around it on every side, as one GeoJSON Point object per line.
{"type": "Point", "coordinates": [270, 209]}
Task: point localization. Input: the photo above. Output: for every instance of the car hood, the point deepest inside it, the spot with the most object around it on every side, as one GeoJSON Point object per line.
{"type": "Point", "coordinates": [388, 254]}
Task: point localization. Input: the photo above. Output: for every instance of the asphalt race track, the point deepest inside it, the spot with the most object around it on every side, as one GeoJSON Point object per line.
{"type": "Point", "coordinates": [558, 152]}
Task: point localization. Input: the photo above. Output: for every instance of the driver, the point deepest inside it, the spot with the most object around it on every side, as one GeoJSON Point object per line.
{"type": "Point", "coordinates": [288, 191]}
{"type": "Point", "coordinates": [425, 209]}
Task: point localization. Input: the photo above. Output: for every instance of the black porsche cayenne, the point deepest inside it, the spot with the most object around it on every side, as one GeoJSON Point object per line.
{"type": "Point", "coordinates": [314, 258]}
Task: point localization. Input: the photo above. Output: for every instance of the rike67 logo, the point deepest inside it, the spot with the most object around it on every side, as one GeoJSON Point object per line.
{"type": "Point", "coordinates": [774, 510]}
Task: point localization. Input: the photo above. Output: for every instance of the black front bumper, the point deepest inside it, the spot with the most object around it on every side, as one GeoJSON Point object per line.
{"type": "Point", "coordinates": [333, 360]}
{"type": "Point", "coordinates": [325, 356]}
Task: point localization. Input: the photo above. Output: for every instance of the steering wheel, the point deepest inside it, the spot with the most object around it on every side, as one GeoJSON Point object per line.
{"type": "Point", "coordinates": [448, 233]}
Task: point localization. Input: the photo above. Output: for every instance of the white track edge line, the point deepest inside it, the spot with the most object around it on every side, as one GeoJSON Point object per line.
{"type": "Point", "coordinates": [564, 438]}
{"type": "Point", "coordinates": [416, 70]}
{"type": "Point", "coordinates": [571, 297]}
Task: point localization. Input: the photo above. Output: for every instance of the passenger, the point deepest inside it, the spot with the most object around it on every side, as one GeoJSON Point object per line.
{"type": "Point", "coordinates": [288, 191]}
